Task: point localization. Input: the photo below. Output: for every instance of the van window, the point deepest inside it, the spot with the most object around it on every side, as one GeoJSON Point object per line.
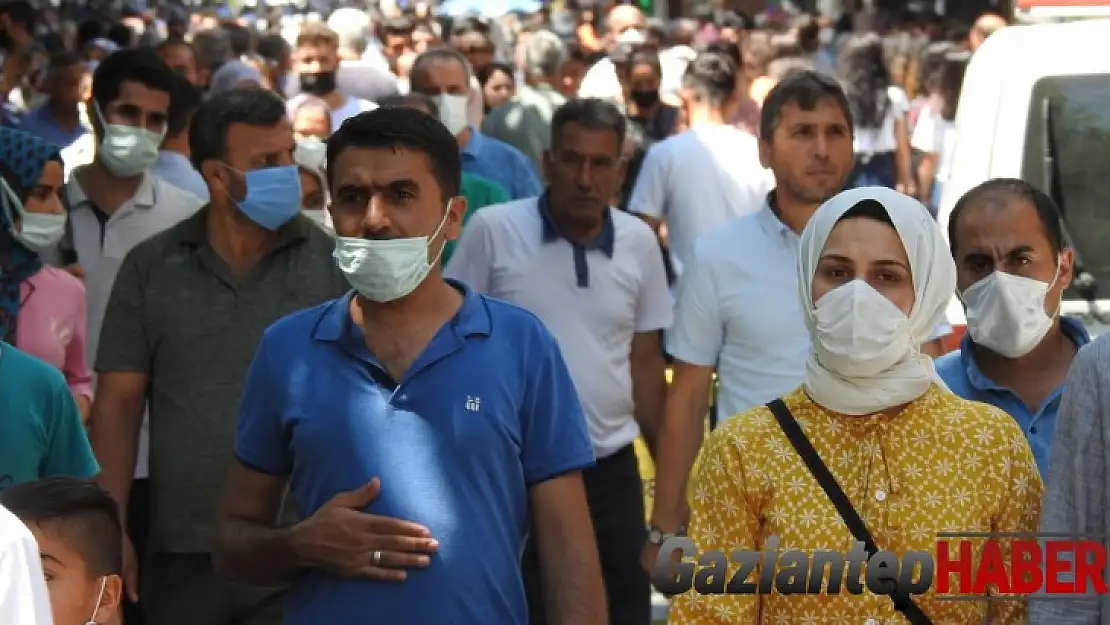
{"type": "Point", "coordinates": [1067, 154]}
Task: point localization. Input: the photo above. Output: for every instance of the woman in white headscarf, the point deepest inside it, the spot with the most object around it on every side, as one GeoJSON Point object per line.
{"type": "Point", "coordinates": [310, 156]}
{"type": "Point", "coordinates": [912, 458]}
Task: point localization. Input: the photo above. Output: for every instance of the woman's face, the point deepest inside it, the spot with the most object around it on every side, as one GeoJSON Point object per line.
{"type": "Point", "coordinates": [862, 248]}
{"type": "Point", "coordinates": [499, 89]}
{"type": "Point", "coordinates": [311, 122]}
{"type": "Point", "coordinates": [312, 196]}
{"type": "Point", "coordinates": [44, 196]}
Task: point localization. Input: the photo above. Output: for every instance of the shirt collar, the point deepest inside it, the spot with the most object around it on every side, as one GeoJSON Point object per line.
{"type": "Point", "coordinates": [336, 326]}
{"type": "Point", "coordinates": [146, 196]}
{"type": "Point", "coordinates": [769, 219]}
{"type": "Point", "coordinates": [194, 231]}
{"type": "Point", "coordinates": [1071, 327]}
{"type": "Point", "coordinates": [604, 240]}
{"type": "Point", "coordinates": [474, 146]}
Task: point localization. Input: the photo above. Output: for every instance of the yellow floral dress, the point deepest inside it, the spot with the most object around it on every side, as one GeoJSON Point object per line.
{"type": "Point", "coordinates": [943, 464]}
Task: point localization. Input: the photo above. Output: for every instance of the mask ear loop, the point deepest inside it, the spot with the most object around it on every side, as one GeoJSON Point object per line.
{"type": "Point", "coordinates": [99, 598]}
{"type": "Point", "coordinates": [11, 205]}
{"type": "Point", "coordinates": [1055, 277]}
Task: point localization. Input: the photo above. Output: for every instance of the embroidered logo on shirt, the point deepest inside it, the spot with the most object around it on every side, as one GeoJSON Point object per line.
{"type": "Point", "coordinates": [473, 404]}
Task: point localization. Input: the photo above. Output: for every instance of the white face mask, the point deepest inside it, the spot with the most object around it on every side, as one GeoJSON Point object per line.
{"type": "Point", "coordinates": [860, 333]}
{"type": "Point", "coordinates": [388, 269]}
{"type": "Point", "coordinates": [41, 231]}
{"type": "Point", "coordinates": [127, 150]}
{"type": "Point", "coordinates": [99, 598]}
{"type": "Point", "coordinates": [1006, 313]}
{"type": "Point", "coordinates": [452, 111]}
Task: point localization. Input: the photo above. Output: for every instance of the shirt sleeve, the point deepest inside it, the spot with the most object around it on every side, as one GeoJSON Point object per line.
{"type": "Point", "coordinates": [555, 436]}
{"type": "Point", "coordinates": [721, 520]}
{"type": "Point", "coordinates": [899, 102]}
{"type": "Point", "coordinates": [472, 259]}
{"type": "Point", "coordinates": [698, 331]}
{"type": "Point", "coordinates": [526, 183]}
{"type": "Point", "coordinates": [24, 599]}
{"type": "Point", "coordinates": [925, 132]}
{"type": "Point", "coordinates": [654, 306]}
{"type": "Point", "coordinates": [69, 452]}
{"type": "Point", "coordinates": [1074, 502]}
{"type": "Point", "coordinates": [124, 344]}
{"type": "Point", "coordinates": [76, 365]}
{"type": "Point", "coordinates": [649, 195]}
{"type": "Point", "coordinates": [260, 440]}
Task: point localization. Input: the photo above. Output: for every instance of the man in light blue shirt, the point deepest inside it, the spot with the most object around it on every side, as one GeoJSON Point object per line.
{"type": "Point", "coordinates": [1013, 267]}
{"type": "Point", "coordinates": [173, 164]}
{"type": "Point", "coordinates": [41, 433]}
{"type": "Point", "coordinates": [444, 74]}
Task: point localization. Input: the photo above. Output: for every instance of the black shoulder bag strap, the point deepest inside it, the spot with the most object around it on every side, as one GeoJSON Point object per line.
{"type": "Point", "coordinates": [793, 431]}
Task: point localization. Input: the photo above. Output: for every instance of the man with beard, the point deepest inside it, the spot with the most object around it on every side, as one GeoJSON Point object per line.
{"type": "Point", "coordinates": [317, 63]}
{"type": "Point", "coordinates": [759, 352]}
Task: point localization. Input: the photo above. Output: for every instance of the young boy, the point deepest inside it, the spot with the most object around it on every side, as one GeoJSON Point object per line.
{"type": "Point", "coordinates": [77, 527]}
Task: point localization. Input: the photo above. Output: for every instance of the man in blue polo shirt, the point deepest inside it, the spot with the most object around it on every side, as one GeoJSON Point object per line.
{"type": "Point", "coordinates": [419, 425]}
{"type": "Point", "coordinates": [1013, 268]}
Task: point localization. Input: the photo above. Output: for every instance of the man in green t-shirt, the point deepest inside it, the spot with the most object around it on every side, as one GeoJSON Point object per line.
{"type": "Point", "coordinates": [479, 192]}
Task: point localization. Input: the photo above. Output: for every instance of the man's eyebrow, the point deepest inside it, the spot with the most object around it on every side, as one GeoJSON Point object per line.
{"type": "Point", "coordinates": [49, 558]}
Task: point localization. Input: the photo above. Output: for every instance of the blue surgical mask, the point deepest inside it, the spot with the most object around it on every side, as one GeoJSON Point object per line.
{"type": "Point", "coordinates": [273, 195]}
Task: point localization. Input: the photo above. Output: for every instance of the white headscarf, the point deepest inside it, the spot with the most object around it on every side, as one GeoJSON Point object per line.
{"type": "Point", "coordinates": [934, 282]}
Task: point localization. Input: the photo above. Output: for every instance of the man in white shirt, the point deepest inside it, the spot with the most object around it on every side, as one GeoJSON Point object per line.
{"type": "Point", "coordinates": [625, 21]}
{"type": "Point", "coordinates": [114, 202]}
{"type": "Point", "coordinates": [700, 180]}
{"type": "Point", "coordinates": [595, 277]}
{"type": "Point", "coordinates": [737, 310]}
{"type": "Point", "coordinates": [317, 66]}
{"type": "Point", "coordinates": [23, 596]}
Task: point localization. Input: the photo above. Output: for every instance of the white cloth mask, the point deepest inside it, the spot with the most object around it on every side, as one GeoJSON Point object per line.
{"type": "Point", "coordinates": [866, 352]}
{"type": "Point", "coordinates": [127, 150]}
{"type": "Point", "coordinates": [859, 332]}
{"type": "Point", "coordinates": [385, 270]}
{"type": "Point", "coordinates": [452, 111]}
{"type": "Point", "coordinates": [1006, 313]}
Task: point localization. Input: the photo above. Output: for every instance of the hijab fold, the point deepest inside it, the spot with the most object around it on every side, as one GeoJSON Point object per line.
{"type": "Point", "coordinates": [22, 160]}
{"type": "Point", "coordinates": [934, 281]}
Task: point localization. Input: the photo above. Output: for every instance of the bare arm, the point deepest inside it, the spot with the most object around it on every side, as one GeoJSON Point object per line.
{"type": "Point", "coordinates": [926, 174]}
{"type": "Point", "coordinates": [679, 441]}
{"type": "Point", "coordinates": [248, 546]}
{"type": "Point", "coordinates": [902, 157]}
{"type": "Point", "coordinates": [114, 425]}
{"type": "Point", "coordinates": [568, 552]}
{"type": "Point", "coordinates": [649, 386]}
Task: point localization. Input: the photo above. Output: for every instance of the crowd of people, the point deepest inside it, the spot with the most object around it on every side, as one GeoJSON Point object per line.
{"type": "Point", "coordinates": [360, 320]}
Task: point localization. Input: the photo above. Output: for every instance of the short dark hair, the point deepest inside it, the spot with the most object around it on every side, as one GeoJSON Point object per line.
{"type": "Point", "coordinates": [241, 37]}
{"type": "Point", "coordinates": [209, 126]}
{"type": "Point", "coordinates": [273, 47]}
{"type": "Point", "coordinates": [63, 60]}
{"type": "Point", "coordinates": [396, 27]}
{"type": "Point", "coordinates": [140, 65]}
{"type": "Point", "coordinates": [20, 12]}
{"type": "Point", "coordinates": [438, 54]}
{"type": "Point", "coordinates": [592, 113]}
{"type": "Point", "coordinates": [402, 127]}
{"type": "Point", "coordinates": [644, 56]}
{"type": "Point", "coordinates": [412, 98]}
{"type": "Point", "coordinates": [121, 34]}
{"type": "Point", "coordinates": [176, 42]}
{"type": "Point", "coordinates": [712, 77]}
{"type": "Point", "coordinates": [805, 88]}
{"type": "Point", "coordinates": [82, 514]}
{"type": "Point", "coordinates": [1012, 189]}
{"type": "Point", "coordinates": [727, 48]}
{"type": "Point", "coordinates": [185, 99]}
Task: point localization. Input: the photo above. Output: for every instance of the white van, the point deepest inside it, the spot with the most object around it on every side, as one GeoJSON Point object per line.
{"type": "Point", "coordinates": [1035, 105]}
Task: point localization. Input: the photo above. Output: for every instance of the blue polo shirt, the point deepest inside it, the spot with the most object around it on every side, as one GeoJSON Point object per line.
{"type": "Point", "coordinates": [963, 376]}
{"type": "Point", "coordinates": [41, 123]}
{"type": "Point", "coordinates": [487, 411]}
{"type": "Point", "coordinates": [41, 434]}
{"type": "Point", "coordinates": [502, 163]}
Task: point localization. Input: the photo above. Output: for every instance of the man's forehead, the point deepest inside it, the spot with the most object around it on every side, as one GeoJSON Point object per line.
{"type": "Point", "coordinates": [823, 110]}
{"type": "Point", "coordinates": [380, 166]}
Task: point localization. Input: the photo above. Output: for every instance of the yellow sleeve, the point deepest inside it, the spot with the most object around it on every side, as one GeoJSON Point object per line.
{"type": "Point", "coordinates": [722, 518]}
{"type": "Point", "coordinates": [1020, 511]}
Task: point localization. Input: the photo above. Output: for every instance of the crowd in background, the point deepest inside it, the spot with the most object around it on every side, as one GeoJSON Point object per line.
{"type": "Point", "coordinates": [175, 182]}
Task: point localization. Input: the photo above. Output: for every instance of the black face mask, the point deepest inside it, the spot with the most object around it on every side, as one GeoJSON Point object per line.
{"type": "Point", "coordinates": [645, 99]}
{"type": "Point", "coordinates": [318, 83]}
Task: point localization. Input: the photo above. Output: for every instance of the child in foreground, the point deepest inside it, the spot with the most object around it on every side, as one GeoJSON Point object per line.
{"type": "Point", "coordinates": [77, 527]}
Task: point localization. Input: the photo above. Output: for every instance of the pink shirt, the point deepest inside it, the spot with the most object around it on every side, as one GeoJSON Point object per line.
{"type": "Point", "coordinates": [53, 324]}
